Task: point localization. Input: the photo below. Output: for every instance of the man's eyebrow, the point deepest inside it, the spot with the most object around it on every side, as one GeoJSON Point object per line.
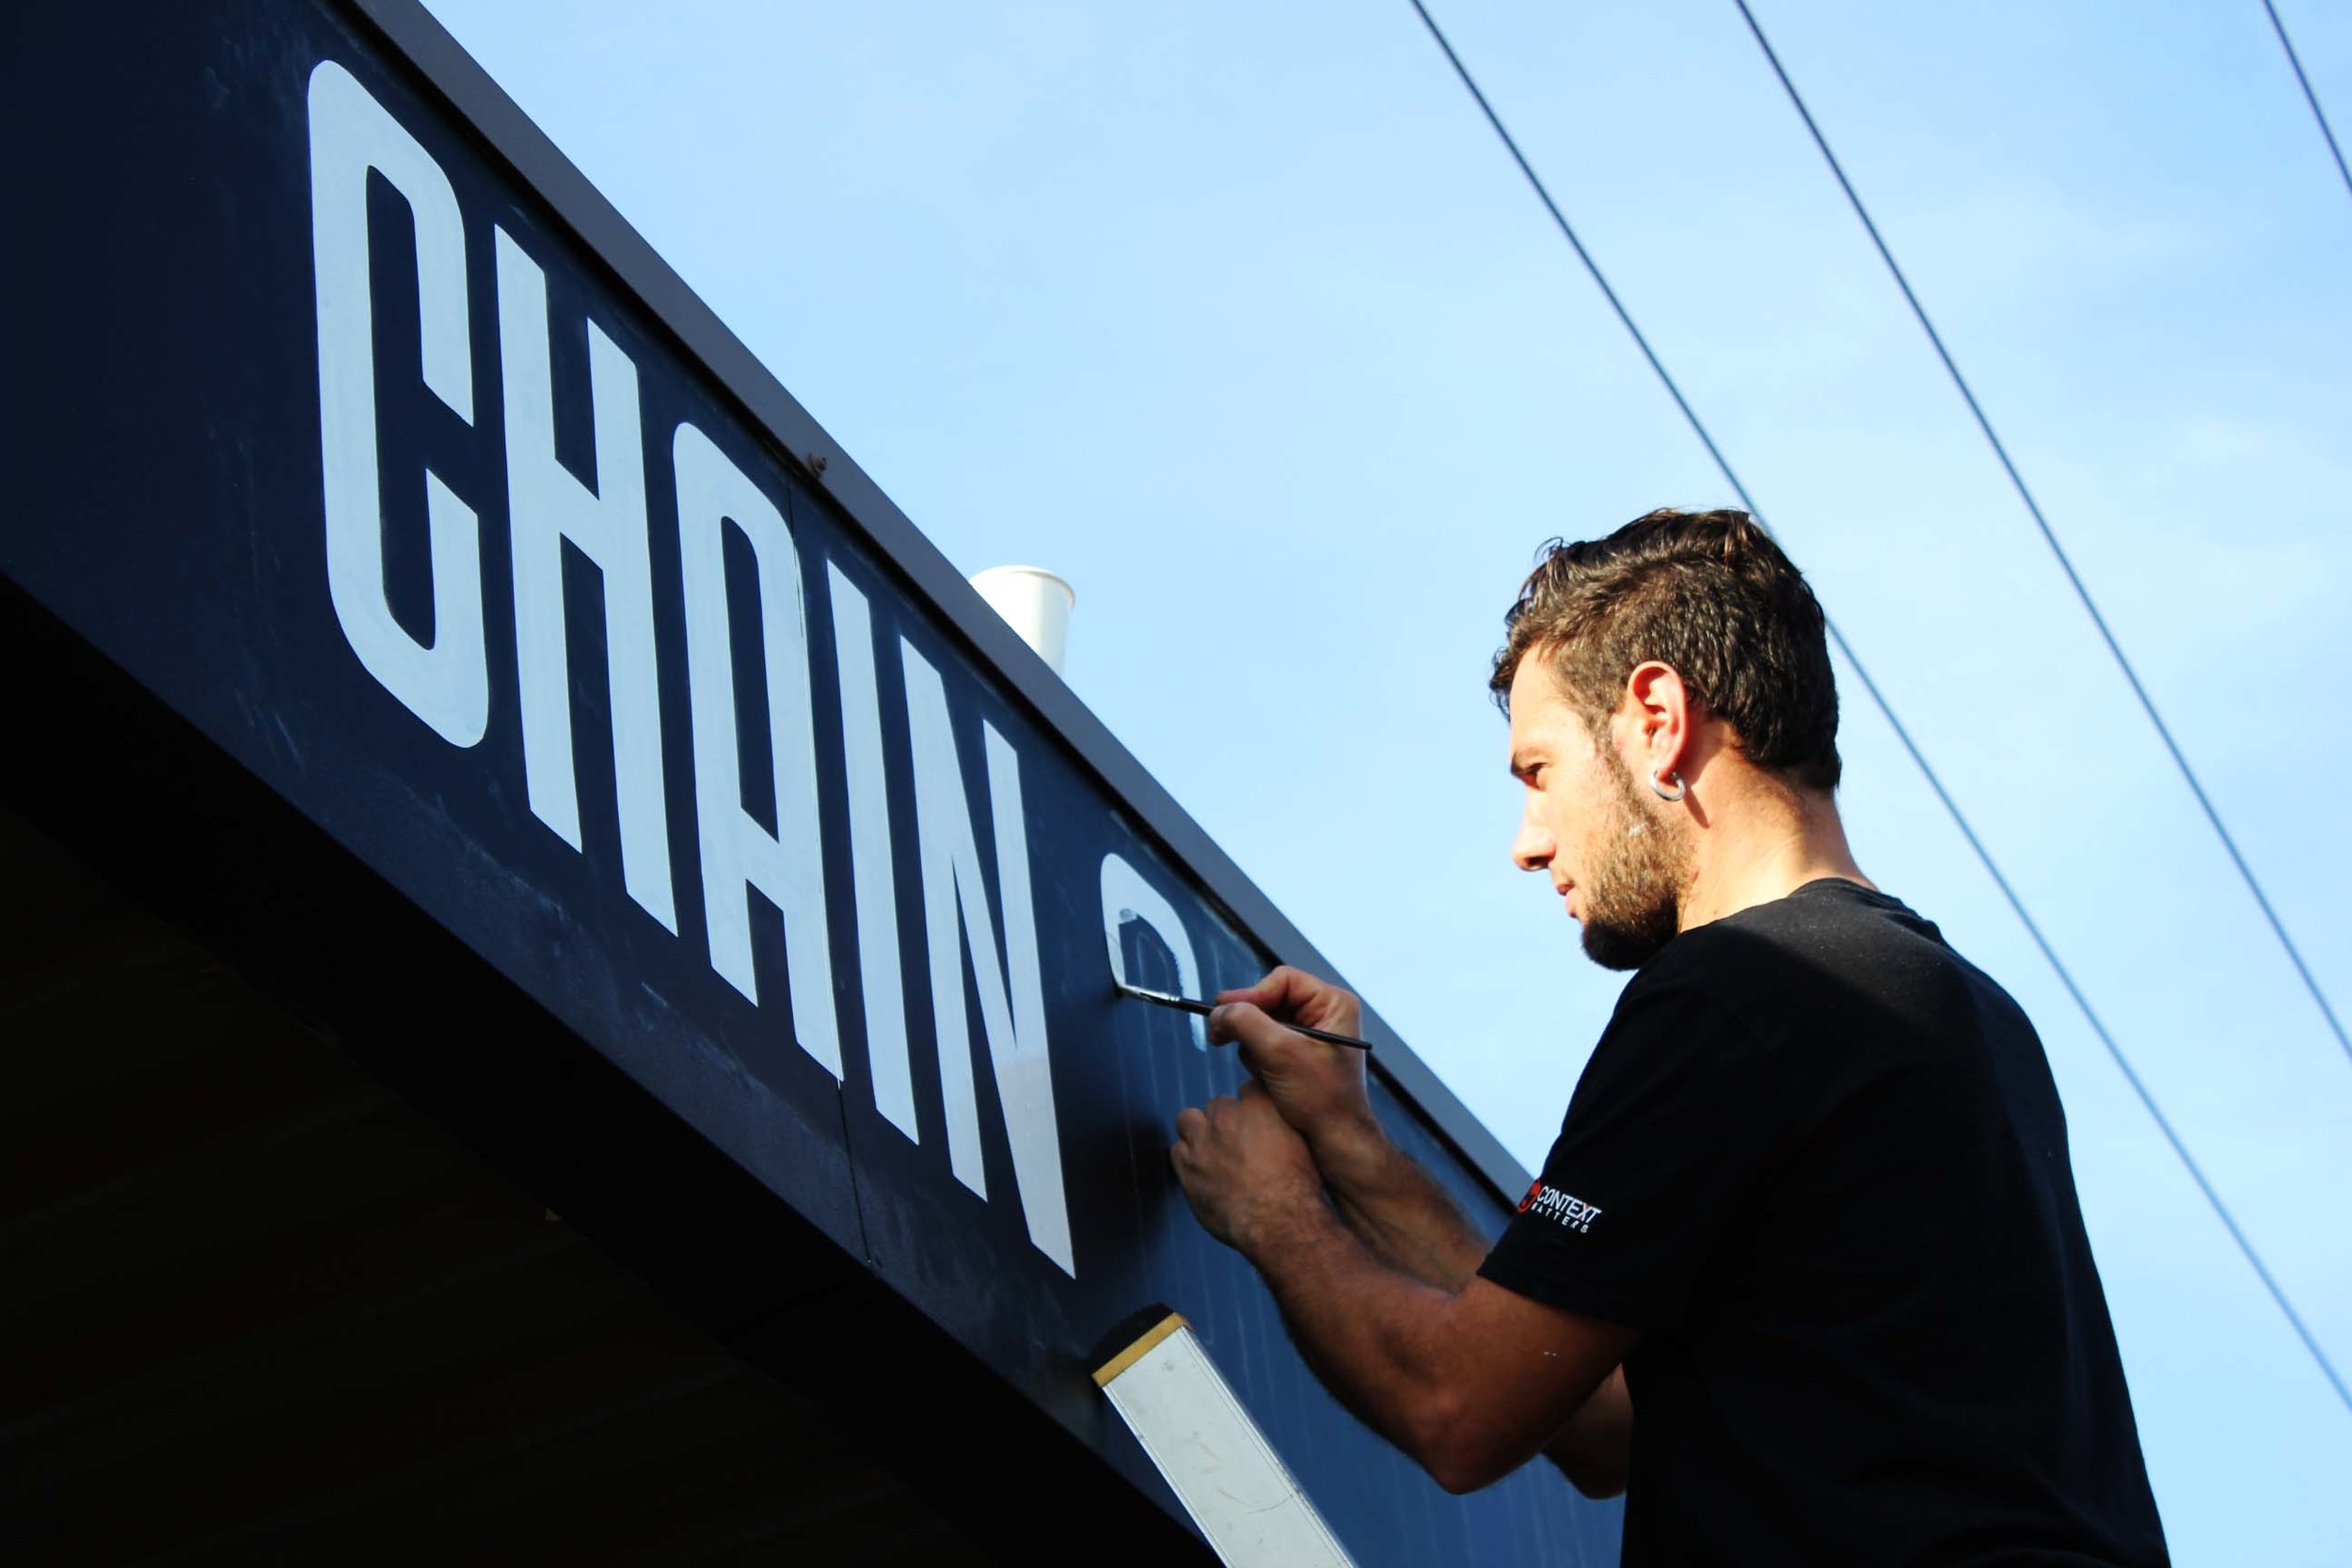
{"type": "Point", "coordinates": [1521, 770]}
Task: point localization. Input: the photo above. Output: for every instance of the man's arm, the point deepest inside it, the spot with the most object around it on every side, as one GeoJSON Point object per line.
{"type": "Point", "coordinates": [1412, 1223]}
{"type": "Point", "coordinates": [1472, 1384]}
{"type": "Point", "coordinates": [1383, 1196]}
{"type": "Point", "coordinates": [1395, 1209]}
{"type": "Point", "coordinates": [1387, 1200]}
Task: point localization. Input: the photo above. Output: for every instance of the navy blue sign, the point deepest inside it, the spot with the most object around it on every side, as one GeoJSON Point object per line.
{"type": "Point", "coordinates": [330, 430]}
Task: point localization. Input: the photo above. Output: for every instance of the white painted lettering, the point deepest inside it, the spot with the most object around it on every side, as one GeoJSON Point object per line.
{"type": "Point", "coordinates": [546, 505]}
{"type": "Point", "coordinates": [870, 857]}
{"type": "Point", "coordinates": [956, 916]}
{"type": "Point", "coordinates": [446, 684]}
{"type": "Point", "coordinates": [738, 854]}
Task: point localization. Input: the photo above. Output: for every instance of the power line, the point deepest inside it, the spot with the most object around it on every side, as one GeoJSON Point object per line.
{"type": "Point", "coordinates": [2049, 536]}
{"type": "Point", "coordinates": [1878, 698]}
{"type": "Point", "coordinates": [2309, 96]}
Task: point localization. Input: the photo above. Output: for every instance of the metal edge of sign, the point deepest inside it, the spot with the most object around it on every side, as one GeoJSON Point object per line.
{"type": "Point", "coordinates": [419, 38]}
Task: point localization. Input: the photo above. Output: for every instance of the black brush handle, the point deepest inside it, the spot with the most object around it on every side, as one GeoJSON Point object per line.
{"type": "Point", "coordinates": [1185, 1003]}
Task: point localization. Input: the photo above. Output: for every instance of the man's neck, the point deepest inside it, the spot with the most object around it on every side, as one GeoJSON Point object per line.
{"type": "Point", "coordinates": [1764, 843]}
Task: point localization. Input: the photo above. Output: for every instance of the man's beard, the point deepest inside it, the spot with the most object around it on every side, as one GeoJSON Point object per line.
{"type": "Point", "coordinates": [1633, 900]}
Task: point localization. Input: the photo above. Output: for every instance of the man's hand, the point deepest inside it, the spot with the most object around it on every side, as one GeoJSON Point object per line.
{"type": "Point", "coordinates": [1463, 1375]}
{"type": "Point", "coordinates": [1246, 1173]}
{"type": "Point", "coordinates": [1386, 1200]}
{"type": "Point", "coordinates": [1318, 1088]}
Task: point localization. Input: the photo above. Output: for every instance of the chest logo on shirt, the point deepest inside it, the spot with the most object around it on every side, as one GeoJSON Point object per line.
{"type": "Point", "coordinates": [1571, 1214]}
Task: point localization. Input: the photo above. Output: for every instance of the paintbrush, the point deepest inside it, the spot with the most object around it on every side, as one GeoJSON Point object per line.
{"type": "Point", "coordinates": [1185, 1003]}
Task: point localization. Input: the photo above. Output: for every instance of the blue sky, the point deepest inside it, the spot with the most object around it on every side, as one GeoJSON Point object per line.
{"type": "Point", "coordinates": [1238, 316]}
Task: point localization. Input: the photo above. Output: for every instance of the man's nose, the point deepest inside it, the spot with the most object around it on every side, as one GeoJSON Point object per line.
{"type": "Point", "coordinates": [1531, 851]}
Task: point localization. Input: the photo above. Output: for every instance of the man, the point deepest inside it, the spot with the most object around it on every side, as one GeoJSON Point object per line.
{"type": "Point", "coordinates": [1805, 1273]}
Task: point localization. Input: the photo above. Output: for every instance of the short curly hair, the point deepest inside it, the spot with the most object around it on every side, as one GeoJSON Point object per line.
{"type": "Point", "coordinates": [1707, 593]}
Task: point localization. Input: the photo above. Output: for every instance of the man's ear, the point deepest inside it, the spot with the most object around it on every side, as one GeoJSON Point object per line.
{"type": "Point", "coordinates": [1658, 711]}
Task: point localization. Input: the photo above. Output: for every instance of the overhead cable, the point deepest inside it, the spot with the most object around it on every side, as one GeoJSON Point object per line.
{"type": "Point", "coordinates": [2049, 536]}
{"type": "Point", "coordinates": [1878, 698]}
{"type": "Point", "coordinates": [2309, 96]}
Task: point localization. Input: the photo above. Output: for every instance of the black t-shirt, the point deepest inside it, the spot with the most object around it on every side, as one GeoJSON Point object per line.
{"type": "Point", "coordinates": [1818, 1158]}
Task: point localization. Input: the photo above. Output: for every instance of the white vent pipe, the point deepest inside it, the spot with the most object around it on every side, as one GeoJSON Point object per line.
{"type": "Point", "coordinates": [1035, 603]}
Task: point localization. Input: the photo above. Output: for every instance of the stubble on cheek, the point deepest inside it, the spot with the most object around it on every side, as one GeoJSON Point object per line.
{"type": "Point", "coordinates": [1633, 901]}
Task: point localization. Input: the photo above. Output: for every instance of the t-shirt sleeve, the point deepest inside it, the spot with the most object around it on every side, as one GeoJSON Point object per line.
{"type": "Point", "coordinates": [1661, 1154]}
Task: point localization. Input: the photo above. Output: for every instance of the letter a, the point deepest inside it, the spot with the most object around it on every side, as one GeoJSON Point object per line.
{"type": "Point", "coordinates": [737, 852]}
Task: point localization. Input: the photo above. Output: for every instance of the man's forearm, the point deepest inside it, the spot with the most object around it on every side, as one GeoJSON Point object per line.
{"type": "Point", "coordinates": [1396, 1209]}
{"type": "Point", "coordinates": [1372, 1332]}
{"type": "Point", "coordinates": [1468, 1385]}
{"type": "Point", "coordinates": [1374, 1265]}
{"type": "Point", "coordinates": [1413, 1225]}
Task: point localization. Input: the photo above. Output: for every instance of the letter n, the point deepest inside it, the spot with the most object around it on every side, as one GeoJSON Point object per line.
{"type": "Point", "coordinates": [956, 920]}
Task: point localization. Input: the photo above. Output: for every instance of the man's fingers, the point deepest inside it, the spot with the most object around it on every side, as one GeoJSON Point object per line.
{"type": "Point", "coordinates": [1250, 1089]}
{"type": "Point", "coordinates": [1260, 1037]}
{"type": "Point", "coordinates": [1275, 991]}
{"type": "Point", "coordinates": [1190, 1123]}
{"type": "Point", "coordinates": [1293, 994]}
{"type": "Point", "coordinates": [1240, 1020]}
{"type": "Point", "coordinates": [1260, 991]}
